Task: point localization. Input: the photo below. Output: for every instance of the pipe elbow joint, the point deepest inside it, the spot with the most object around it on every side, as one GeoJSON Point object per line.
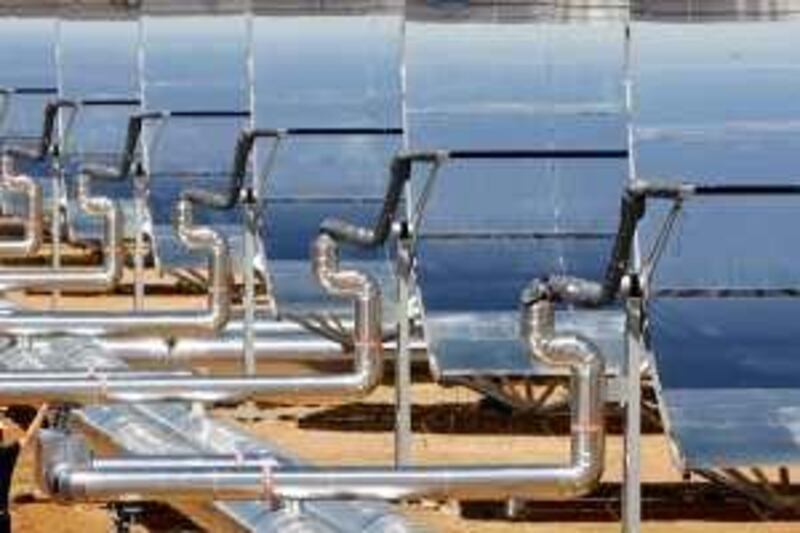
{"type": "Point", "coordinates": [577, 351]}
{"type": "Point", "coordinates": [354, 284]}
{"type": "Point", "coordinates": [341, 230]}
{"type": "Point", "coordinates": [32, 239]}
{"type": "Point", "coordinates": [57, 455]}
{"type": "Point", "coordinates": [369, 377]}
{"type": "Point", "coordinates": [366, 295]}
{"type": "Point", "coordinates": [220, 315]}
{"type": "Point", "coordinates": [584, 478]}
{"type": "Point", "coordinates": [58, 482]}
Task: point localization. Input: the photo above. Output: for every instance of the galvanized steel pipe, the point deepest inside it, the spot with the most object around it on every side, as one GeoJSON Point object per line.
{"type": "Point", "coordinates": [367, 346]}
{"type": "Point", "coordinates": [32, 238]}
{"type": "Point", "coordinates": [93, 278]}
{"type": "Point", "coordinates": [79, 478]}
{"type": "Point", "coordinates": [160, 323]}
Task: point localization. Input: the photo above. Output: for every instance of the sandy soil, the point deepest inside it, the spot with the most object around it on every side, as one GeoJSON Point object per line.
{"type": "Point", "coordinates": [452, 427]}
{"type": "Point", "coordinates": [364, 437]}
{"type": "Point", "coordinates": [306, 433]}
{"type": "Point", "coordinates": [33, 511]}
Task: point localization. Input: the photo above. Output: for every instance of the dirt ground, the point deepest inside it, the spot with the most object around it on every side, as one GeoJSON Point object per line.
{"type": "Point", "coordinates": [451, 426]}
{"type": "Point", "coordinates": [455, 434]}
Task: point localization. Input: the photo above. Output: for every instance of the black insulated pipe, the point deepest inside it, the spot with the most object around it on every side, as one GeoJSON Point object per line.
{"type": "Point", "coordinates": [343, 131]}
{"type": "Point", "coordinates": [401, 172]}
{"type": "Point", "coordinates": [676, 190]}
{"type": "Point", "coordinates": [747, 190]}
{"type": "Point", "coordinates": [132, 137]}
{"type": "Point", "coordinates": [589, 293]}
{"type": "Point", "coordinates": [244, 147]}
{"type": "Point", "coordinates": [48, 132]}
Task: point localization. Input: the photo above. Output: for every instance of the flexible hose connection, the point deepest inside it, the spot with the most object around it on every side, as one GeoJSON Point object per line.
{"type": "Point", "coordinates": [590, 293]}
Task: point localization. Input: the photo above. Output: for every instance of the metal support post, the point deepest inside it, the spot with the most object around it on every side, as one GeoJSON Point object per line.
{"type": "Point", "coordinates": [631, 492]}
{"type": "Point", "coordinates": [403, 435]}
{"type": "Point", "coordinates": [139, 203]}
{"type": "Point", "coordinates": [250, 221]}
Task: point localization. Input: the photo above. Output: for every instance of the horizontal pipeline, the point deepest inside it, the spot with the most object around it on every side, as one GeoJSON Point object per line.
{"type": "Point", "coordinates": [72, 475]}
{"type": "Point", "coordinates": [100, 277]}
{"type": "Point", "coordinates": [161, 323]}
{"type": "Point", "coordinates": [366, 374]}
{"type": "Point", "coordinates": [47, 375]}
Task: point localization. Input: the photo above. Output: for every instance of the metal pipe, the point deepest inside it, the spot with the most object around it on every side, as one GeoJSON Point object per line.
{"type": "Point", "coordinates": [78, 278]}
{"type": "Point", "coordinates": [366, 374]}
{"type": "Point", "coordinates": [273, 346]}
{"type": "Point", "coordinates": [32, 239]}
{"type": "Point", "coordinates": [80, 478]}
{"type": "Point", "coordinates": [100, 373]}
{"type": "Point", "coordinates": [158, 323]}
{"type": "Point", "coordinates": [179, 462]}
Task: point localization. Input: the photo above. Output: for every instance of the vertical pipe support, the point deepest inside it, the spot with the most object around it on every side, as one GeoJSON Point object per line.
{"type": "Point", "coordinates": [403, 428]}
{"type": "Point", "coordinates": [250, 221]}
{"type": "Point", "coordinates": [631, 490]}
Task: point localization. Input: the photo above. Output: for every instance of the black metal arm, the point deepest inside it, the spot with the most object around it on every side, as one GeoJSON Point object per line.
{"type": "Point", "coordinates": [244, 147]}
{"type": "Point", "coordinates": [51, 111]}
{"type": "Point", "coordinates": [199, 196]}
{"type": "Point", "coordinates": [134, 133]}
{"type": "Point", "coordinates": [589, 293]}
{"type": "Point", "coordinates": [401, 172]}
{"type": "Point", "coordinates": [132, 136]}
{"type": "Point", "coordinates": [48, 132]}
{"type": "Point", "coordinates": [229, 198]}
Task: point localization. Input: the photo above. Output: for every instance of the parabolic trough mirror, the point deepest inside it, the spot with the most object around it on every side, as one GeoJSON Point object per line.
{"type": "Point", "coordinates": [516, 192]}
